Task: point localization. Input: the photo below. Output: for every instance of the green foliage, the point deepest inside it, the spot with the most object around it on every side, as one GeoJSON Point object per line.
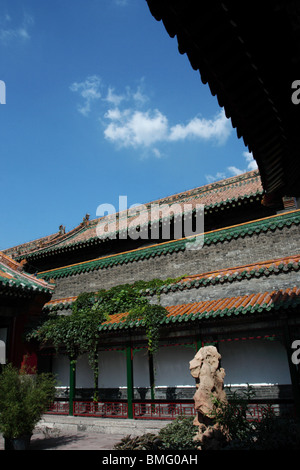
{"type": "Point", "coordinates": [120, 298]}
{"type": "Point", "coordinates": [155, 284]}
{"type": "Point", "coordinates": [23, 400]}
{"type": "Point", "coordinates": [129, 298]}
{"type": "Point", "coordinates": [275, 433]}
{"type": "Point", "coordinates": [232, 416]}
{"type": "Point", "coordinates": [147, 441]}
{"type": "Point", "coordinates": [179, 435]}
{"type": "Point", "coordinates": [270, 433]}
{"type": "Point", "coordinates": [151, 317]}
{"type": "Point", "coordinates": [78, 333]}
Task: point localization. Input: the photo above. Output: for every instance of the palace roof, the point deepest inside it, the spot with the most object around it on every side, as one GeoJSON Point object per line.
{"type": "Point", "coordinates": [262, 302]}
{"type": "Point", "coordinates": [249, 55]}
{"type": "Point", "coordinates": [220, 308]}
{"type": "Point", "coordinates": [272, 223]}
{"type": "Point", "coordinates": [230, 275]}
{"type": "Point", "coordinates": [14, 280]}
{"type": "Point", "coordinates": [228, 192]}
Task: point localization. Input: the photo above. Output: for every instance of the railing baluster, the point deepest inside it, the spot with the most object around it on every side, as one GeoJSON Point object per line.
{"type": "Point", "coordinates": [156, 410]}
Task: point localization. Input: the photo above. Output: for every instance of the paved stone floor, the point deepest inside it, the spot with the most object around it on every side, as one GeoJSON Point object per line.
{"type": "Point", "coordinates": [68, 441]}
{"type": "Point", "coordinates": [79, 433]}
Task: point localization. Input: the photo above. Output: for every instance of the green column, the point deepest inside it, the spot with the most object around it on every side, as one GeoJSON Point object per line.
{"type": "Point", "coordinates": [199, 344]}
{"type": "Point", "coordinates": [129, 357]}
{"type": "Point", "coordinates": [72, 385]}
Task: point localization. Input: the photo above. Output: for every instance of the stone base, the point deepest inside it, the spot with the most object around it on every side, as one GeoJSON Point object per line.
{"type": "Point", "coordinates": [50, 423]}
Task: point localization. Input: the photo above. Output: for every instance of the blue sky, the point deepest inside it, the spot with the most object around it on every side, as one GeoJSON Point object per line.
{"type": "Point", "coordinates": [99, 104]}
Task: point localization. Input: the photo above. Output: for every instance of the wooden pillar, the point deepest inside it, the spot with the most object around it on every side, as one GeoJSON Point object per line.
{"type": "Point", "coordinates": [199, 344]}
{"type": "Point", "coordinates": [129, 363]}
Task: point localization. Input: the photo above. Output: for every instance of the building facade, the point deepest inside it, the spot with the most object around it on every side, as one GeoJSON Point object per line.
{"type": "Point", "coordinates": [238, 289]}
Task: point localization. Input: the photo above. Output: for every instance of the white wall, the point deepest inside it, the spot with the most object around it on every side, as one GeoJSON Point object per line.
{"type": "Point", "coordinates": [245, 361]}
{"type": "Point", "coordinates": [60, 368]}
{"type": "Point", "coordinates": [141, 368]}
{"type": "Point", "coordinates": [257, 361]}
{"type": "Point", "coordinates": [172, 366]}
{"type": "Point", "coordinates": [3, 340]}
{"type": "Point", "coordinates": [112, 370]}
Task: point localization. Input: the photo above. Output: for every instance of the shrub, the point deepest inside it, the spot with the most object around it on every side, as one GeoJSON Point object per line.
{"type": "Point", "coordinates": [23, 400]}
{"type": "Point", "coordinates": [179, 435]}
{"type": "Point", "coordinates": [147, 441]}
{"type": "Point", "coordinates": [270, 433]}
{"type": "Point", "coordinates": [232, 415]}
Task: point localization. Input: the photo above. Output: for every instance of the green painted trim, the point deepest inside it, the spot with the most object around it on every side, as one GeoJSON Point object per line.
{"type": "Point", "coordinates": [20, 281]}
{"type": "Point", "coordinates": [248, 229]}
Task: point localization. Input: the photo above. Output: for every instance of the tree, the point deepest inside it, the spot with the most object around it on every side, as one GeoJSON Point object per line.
{"type": "Point", "coordinates": [78, 333]}
{"type": "Point", "coordinates": [75, 334]}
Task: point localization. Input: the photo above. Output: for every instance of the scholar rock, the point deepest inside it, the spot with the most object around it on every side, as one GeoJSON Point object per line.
{"type": "Point", "coordinates": [209, 377]}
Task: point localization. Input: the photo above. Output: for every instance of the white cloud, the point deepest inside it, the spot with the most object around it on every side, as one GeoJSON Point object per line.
{"type": "Point", "coordinates": [157, 153]}
{"type": "Point", "coordinates": [251, 165]}
{"type": "Point", "coordinates": [89, 90]}
{"type": "Point", "coordinates": [206, 129]}
{"type": "Point", "coordinates": [136, 128]}
{"type": "Point", "coordinates": [233, 170]}
{"type": "Point", "coordinates": [9, 32]}
{"type": "Point", "coordinates": [114, 98]}
{"type": "Point", "coordinates": [132, 128]}
{"type": "Point", "coordinates": [139, 96]}
{"type": "Point", "coordinates": [114, 114]}
{"type": "Point", "coordinates": [218, 176]}
{"type": "Point", "coordinates": [126, 122]}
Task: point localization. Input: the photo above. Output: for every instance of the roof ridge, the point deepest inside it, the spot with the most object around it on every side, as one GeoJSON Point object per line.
{"type": "Point", "coordinates": [228, 305]}
{"type": "Point", "coordinates": [210, 186]}
{"type": "Point", "coordinates": [55, 239]}
{"type": "Point", "coordinates": [13, 264]}
{"type": "Point", "coordinates": [171, 244]}
{"type": "Point", "coordinates": [257, 264]}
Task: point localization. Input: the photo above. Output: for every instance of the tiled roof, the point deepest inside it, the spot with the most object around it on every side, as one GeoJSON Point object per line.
{"type": "Point", "coordinates": [247, 53]}
{"type": "Point", "coordinates": [264, 268]}
{"type": "Point", "coordinates": [271, 223]}
{"type": "Point", "coordinates": [60, 304]}
{"type": "Point", "coordinates": [221, 308]}
{"type": "Point", "coordinates": [12, 277]}
{"type": "Point", "coordinates": [213, 196]}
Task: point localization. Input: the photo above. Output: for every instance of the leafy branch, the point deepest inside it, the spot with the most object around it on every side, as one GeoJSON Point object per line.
{"type": "Point", "coordinates": [78, 333]}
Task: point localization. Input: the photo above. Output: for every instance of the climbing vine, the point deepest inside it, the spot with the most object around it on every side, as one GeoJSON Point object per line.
{"type": "Point", "coordinates": [79, 334]}
{"type": "Point", "coordinates": [130, 298]}
{"type": "Point", "coordinates": [150, 317]}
